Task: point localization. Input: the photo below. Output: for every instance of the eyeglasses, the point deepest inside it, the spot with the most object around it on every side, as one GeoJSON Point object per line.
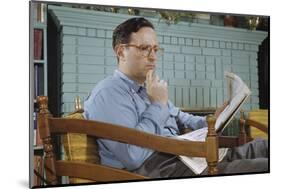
{"type": "Point", "coordinates": [145, 50]}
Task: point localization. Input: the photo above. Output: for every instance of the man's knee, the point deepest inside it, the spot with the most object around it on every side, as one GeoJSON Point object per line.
{"type": "Point", "coordinates": [245, 166]}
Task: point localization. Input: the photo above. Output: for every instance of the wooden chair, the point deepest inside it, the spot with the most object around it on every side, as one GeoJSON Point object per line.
{"type": "Point", "coordinates": [54, 168]}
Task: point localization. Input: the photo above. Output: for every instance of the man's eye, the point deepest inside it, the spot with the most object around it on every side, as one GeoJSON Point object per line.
{"type": "Point", "coordinates": [144, 48]}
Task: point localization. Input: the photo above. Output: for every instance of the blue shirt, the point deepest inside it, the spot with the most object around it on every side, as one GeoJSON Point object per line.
{"type": "Point", "coordinates": [119, 100]}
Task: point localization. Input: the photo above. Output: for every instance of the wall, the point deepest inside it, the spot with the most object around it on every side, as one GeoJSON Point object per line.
{"type": "Point", "coordinates": [195, 58]}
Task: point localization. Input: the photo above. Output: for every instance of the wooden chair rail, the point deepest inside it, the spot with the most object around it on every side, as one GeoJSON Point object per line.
{"type": "Point", "coordinates": [257, 125]}
{"type": "Point", "coordinates": [228, 141]}
{"type": "Point", "coordinates": [131, 136]}
{"type": "Point", "coordinates": [94, 172]}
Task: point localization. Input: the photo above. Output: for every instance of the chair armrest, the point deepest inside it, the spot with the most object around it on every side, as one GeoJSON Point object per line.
{"type": "Point", "coordinates": [256, 124]}
{"type": "Point", "coordinates": [128, 135]}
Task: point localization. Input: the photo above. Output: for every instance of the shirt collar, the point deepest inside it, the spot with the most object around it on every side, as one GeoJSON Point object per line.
{"type": "Point", "coordinates": [132, 84]}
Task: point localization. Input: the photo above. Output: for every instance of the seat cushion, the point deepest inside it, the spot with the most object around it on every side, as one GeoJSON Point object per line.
{"type": "Point", "coordinates": [260, 116]}
{"type": "Point", "coordinates": [80, 147]}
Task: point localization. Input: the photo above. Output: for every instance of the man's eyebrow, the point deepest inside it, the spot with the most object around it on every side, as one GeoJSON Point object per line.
{"type": "Point", "coordinates": [149, 45]}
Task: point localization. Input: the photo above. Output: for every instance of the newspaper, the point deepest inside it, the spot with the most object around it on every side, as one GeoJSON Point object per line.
{"type": "Point", "coordinates": [238, 92]}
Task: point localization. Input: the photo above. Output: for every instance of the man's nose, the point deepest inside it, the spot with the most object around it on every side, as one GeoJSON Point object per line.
{"type": "Point", "coordinates": [152, 55]}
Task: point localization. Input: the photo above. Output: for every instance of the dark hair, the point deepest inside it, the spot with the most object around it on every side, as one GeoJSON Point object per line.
{"type": "Point", "coordinates": [122, 33]}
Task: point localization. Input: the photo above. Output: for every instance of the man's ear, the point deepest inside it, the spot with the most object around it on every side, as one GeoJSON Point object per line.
{"type": "Point", "coordinates": [119, 50]}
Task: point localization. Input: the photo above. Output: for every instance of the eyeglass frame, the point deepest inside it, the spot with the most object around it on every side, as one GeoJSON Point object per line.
{"type": "Point", "coordinates": [148, 46]}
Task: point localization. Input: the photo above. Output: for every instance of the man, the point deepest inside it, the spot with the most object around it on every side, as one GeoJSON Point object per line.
{"type": "Point", "coordinates": [135, 97]}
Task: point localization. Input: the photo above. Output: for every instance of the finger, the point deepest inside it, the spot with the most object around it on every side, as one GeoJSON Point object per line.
{"type": "Point", "coordinates": [162, 81]}
{"type": "Point", "coordinates": [225, 103]}
{"type": "Point", "coordinates": [149, 76]}
{"type": "Point", "coordinates": [153, 73]}
{"type": "Point", "coordinates": [156, 78]}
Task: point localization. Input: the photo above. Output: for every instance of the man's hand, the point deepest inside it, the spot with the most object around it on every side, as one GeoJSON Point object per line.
{"type": "Point", "coordinates": [220, 109]}
{"type": "Point", "coordinates": [156, 89]}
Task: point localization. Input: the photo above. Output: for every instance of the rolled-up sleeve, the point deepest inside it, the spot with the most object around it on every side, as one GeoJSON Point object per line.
{"type": "Point", "coordinates": [114, 105]}
{"type": "Point", "coordinates": [191, 121]}
{"type": "Point", "coordinates": [187, 120]}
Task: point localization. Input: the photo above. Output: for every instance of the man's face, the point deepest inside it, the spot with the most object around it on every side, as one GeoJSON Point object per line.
{"type": "Point", "coordinates": [135, 63]}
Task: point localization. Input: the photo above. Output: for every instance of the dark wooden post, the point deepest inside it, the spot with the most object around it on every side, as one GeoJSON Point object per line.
{"type": "Point", "coordinates": [242, 133]}
{"type": "Point", "coordinates": [49, 162]}
{"type": "Point", "coordinates": [212, 146]}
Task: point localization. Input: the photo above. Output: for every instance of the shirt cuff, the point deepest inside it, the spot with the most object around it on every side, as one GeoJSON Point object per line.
{"type": "Point", "coordinates": [203, 122]}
